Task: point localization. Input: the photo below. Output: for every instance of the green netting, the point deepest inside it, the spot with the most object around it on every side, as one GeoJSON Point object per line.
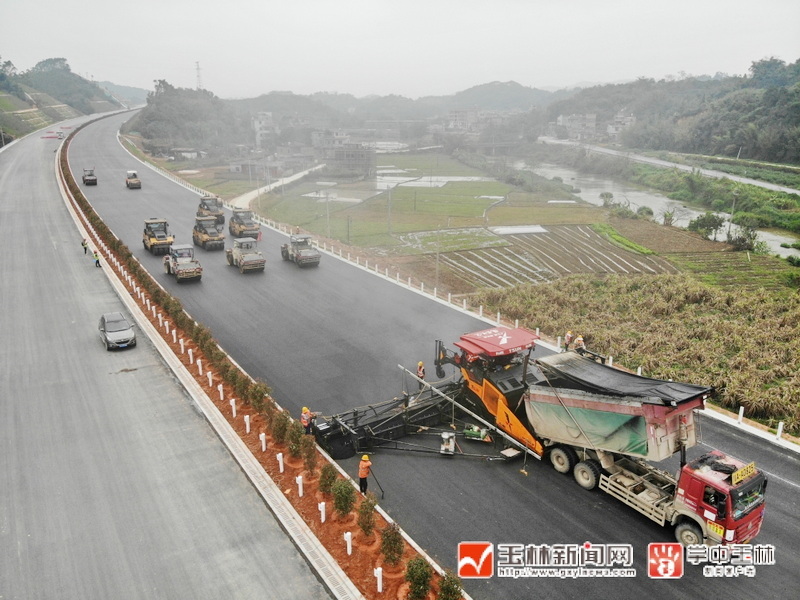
{"type": "Point", "coordinates": [615, 432]}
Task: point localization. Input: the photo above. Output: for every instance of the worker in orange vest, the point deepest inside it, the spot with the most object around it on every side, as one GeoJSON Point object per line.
{"type": "Point", "coordinates": [567, 340]}
{"type": "Point", "coordinates": [363, 473]}
{"type": "Point", "coordinates": [307, 419]}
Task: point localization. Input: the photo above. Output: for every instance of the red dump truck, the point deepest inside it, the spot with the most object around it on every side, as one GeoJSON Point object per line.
{"type": "Point", "coordinates": [607, 427]}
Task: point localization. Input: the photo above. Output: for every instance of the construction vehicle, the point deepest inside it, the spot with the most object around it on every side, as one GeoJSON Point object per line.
{"type": "Point", "coordinates": [300, 251]}
{"type": "Point", "coordinates": [603, 425]}
{"type": "Point", "coordinates": [208, 234]}
{"type": "Point", "coordinates": [181, 263]}
{"type": "Point", "coordinates": [156, 237]}
{"type": "Point", "coordinates": [243, 225]}
{"type": "Point", "coordinates": [211, 206]}
{"type": "Point", "coordinates": [246, 255]}
{"type": "Point", "coordinates": [132, 181]}
{"type": "Point", "coordinates": [89, 178]}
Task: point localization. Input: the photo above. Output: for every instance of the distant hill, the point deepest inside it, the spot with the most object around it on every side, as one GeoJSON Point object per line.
{"type": "Point", "coordinates": [129, 96]}
{"type": "Point", "coordinates": [47, 93]}
{"type": "Point", "coordinates": [754, 117]}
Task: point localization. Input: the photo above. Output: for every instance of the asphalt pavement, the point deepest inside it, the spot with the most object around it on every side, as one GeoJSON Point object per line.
{"type": "Point", "coordinates": [113, 485]}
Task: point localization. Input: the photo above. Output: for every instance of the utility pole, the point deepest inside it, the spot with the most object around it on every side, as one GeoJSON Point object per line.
{"type": "Point", "coordinates": [199, 80]}
{"type": "Point", "coordinates": [328, 213]}
{"type": "Point", "coordinates": [389, 206]}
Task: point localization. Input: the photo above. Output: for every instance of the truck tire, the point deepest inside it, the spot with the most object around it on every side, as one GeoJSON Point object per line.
{"type": "Point", "coordinates": [563, 459]}
{"type": "Point", "coordinates": [230, 260]}
{"type": "Point", "coordinates": [284, 254]}
{"type": "Point", "coordinates": [688, 533]}
{"type": "Point", "coordinates": [241, 268]}
{"type": "Point", "coordinates": [587, 474]}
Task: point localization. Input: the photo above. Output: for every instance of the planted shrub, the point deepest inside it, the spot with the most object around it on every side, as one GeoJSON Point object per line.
{"type": "Point", "coordinates": [366, 514]}
{"type": "Point", "coordinates": [241, 387]}
{"type": "Point", "coordinates": [280, 427]}
{"type": "Point", "coordinates": [392, 544]}
{"type": "Point", "coordinates": [308, 450]}
{"type": "Point", "coordinates": [344, 497]}
{"type": "Point", "coordinates": [294, 436]}
{"type": "Point", "coordinates": [449, 587]}
{"type": "Point", "coordinates": [418, 573]}
{"type": "Point", "coordinates": [327, 477]}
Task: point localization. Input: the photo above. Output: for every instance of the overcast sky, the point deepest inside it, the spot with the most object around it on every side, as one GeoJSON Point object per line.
{"type": "Point", "coordinates": [412, 48]}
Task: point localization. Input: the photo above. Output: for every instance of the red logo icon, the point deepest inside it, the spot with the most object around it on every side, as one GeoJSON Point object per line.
{"type": "Point", "coordinates": [665, 561]}
{"type": "Point", "coordinates": [475, 560]}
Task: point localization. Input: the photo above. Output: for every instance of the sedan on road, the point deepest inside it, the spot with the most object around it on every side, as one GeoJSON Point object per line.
{"type": "Point", "coordinates": [116, 331]}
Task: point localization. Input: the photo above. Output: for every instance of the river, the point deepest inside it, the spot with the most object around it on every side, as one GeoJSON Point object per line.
{"type": "Point", "coordinates": [591, 186]}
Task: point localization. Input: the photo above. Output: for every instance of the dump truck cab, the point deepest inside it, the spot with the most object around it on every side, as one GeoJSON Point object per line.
{"type": "Point", "coordinates": [156, 237]}
{"type": "Point", "coordinates": [211, 206]}
{"type": "Point", "coordinates": [719, 500]}
{"type": "Point", "coordinates": [207, 233]}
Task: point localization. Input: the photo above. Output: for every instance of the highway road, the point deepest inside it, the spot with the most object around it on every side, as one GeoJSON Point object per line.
{"type": "Point", "coordinates": [112, 485]}
{"type": "Point", "coordinates": [331, 338]}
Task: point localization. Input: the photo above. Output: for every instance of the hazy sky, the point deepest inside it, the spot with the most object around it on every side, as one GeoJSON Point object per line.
{"type": "Point", "coordinates": [412, 48]}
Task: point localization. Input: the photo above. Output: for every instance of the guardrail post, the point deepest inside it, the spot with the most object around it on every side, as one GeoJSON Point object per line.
{"type": "Point", "coordinates": [741, 415]}
{"type": "Point", "coordinates": [780, 431]}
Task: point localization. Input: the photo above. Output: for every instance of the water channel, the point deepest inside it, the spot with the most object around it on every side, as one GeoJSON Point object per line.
{"type": "Point", "coordinates": [592, 186]}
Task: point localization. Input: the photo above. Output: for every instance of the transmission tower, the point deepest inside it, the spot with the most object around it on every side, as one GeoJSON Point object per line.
{"type": "Point", "coordinates": [199, 79]}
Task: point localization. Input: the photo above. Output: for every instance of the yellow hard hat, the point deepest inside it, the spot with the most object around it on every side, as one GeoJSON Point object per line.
{"type": "Point", "coordinates": [569, 332]}
{"type": "Point", "coordinates": [305, 409]}
{"type": "Point", "coordinates": [365, 457]}
{"type": "Point", "coordinates": [419, 364]}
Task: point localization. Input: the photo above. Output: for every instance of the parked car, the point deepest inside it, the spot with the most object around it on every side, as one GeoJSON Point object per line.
{"type": "Point", "coordinates": [116, 331]}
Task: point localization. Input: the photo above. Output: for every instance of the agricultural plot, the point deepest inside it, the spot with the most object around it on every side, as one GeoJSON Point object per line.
{"type": "Point", "coordinates": [543, 257]}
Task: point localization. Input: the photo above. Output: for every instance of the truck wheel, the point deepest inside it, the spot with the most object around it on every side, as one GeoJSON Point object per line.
{"type": "Point", "coordinates": [166, 268]}
{"type": "Point", "coordinates": [563, 459]}
{"type": "Point", "coordinates": [688, 533]}
{"type": "Point", "coordinates": [587, 474]}
{"type": "Point", "coordinates": [241, 268]}
{"type": "Point", "coordinates": [284, 254]}
{"type": "Point", "coordinates": [230, 260]}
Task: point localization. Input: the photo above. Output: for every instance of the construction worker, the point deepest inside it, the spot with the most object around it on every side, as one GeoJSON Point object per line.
{"type": "Point", "coordinates": [307, 419]}
{"type": "Point", "coordinates": [421, 372]}
{"type": "Point", "coordinates": [96, 257]}
{"type": "Point", "coordinates": [85, 246]}
{"type": "Point", "coordinates": [363, 473]}
{"type": "Point", "coordinates": [580, 347]}
{"type": "Point", "coordinates": [567, 340]}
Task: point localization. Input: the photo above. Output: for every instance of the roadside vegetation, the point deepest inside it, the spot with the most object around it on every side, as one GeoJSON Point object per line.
{"type": "Point", "coordinates": [743, 342]}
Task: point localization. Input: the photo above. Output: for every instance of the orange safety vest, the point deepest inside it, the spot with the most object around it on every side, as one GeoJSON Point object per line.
{"type": "Point", "coordinates": [421, 372]}
{"type": "Point", "coordinates": [363, 468]}
{"type": "Point", "coordinates": [305, 418]}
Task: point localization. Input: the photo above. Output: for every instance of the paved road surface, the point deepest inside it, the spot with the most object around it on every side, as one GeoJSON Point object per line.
{"type": "Point", "coordinates": [112, 485]}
